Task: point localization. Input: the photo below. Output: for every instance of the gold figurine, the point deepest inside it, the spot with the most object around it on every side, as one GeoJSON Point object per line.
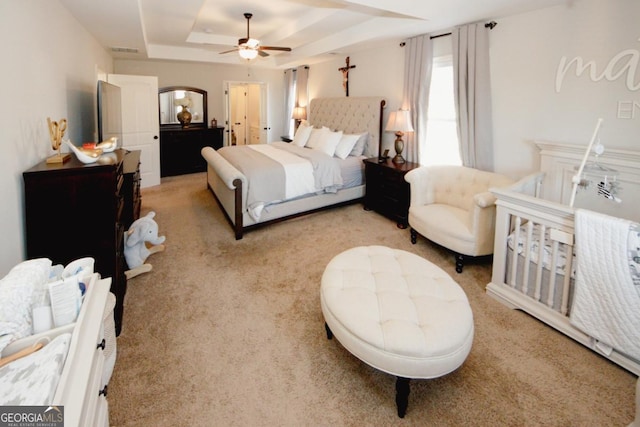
{"type": "Point", "coordinates": [56, 132]}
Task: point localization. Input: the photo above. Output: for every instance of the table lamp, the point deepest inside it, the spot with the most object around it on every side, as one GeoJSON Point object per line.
{"type": "Point", "coordinates": [399, 122]}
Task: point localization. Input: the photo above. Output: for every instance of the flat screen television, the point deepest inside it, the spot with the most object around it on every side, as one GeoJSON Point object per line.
{"type": "Point", "coordinates": [109, 112]}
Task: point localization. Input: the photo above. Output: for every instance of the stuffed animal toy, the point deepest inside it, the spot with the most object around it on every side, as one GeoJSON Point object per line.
{"type": "Point", "coordinates": [140, 241]}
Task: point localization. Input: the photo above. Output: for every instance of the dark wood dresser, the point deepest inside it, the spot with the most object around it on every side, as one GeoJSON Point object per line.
{"type": "Point", "coordinates": [180, 148]}
{"type": "Point", "coordinates": [73, 210]}
{"type": "Point", "coordinates": [387, 192]}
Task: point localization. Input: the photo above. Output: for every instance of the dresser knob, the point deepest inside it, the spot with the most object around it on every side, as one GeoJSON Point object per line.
{"type": "Point", "coordinates": [102, 344]}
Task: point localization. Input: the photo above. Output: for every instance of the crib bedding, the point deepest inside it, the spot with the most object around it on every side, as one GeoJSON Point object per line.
{"type": "Point", "coordinates": [533, 248]}
{"type": "Point", "coordinates": [633, 245]}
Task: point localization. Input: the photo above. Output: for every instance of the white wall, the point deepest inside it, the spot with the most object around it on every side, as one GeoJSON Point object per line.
{"type": "Point", "coordinates": [49, 65]}
{"type": "Point", "coordinates": [526, 51]}
{"type": "Point", "coordinates": [210, 77]}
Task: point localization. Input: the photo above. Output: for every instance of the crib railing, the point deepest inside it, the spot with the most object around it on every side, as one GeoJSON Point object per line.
{"type": "Point", "coordinates": [547, 227]}
{"type": "Point", "coordinates": [540, 260]}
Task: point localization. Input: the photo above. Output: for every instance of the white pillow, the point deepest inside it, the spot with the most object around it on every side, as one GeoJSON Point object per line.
{"type": "Point", "coordinates": [316, 136]}
{"type": "Point", "coordinates": [302, 134]}
{"type": "Point", "coordinates": [358, 149]}
{"type": "Point", "coordinates": [328, 142]}
{"type": "Point", "coordinates": [346, 144]}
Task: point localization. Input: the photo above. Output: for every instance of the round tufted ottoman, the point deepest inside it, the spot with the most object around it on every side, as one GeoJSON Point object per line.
{"type": "Point", "coordinates": [398, 313]}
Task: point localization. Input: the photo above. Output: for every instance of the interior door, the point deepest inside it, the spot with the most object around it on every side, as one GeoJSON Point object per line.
{"type": "Point", "coordinates": [140, 122]}
{"type": "Point", "coordinates": [246, 103]}
{"type": "Point", "coordinates": [239, 114]}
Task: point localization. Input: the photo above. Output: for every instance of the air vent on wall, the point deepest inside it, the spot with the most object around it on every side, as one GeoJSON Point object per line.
{"type": "Point", "coordinates": [125, 49]}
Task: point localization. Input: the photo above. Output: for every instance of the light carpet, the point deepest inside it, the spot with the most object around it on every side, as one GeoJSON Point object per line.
{"type": "Point", "coordinates": [230, 333]}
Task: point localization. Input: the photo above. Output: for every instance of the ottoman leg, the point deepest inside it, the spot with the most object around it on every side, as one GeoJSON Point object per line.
{"type": "Point", "coordinates": [329, 333]}
{"type": "Point", "coordinates": [459, 262]}
{"type": "Point", "coordinates": [402, 395]}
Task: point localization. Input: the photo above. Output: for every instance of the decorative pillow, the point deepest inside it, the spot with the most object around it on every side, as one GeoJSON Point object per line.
{"type": "Point", "coordinates": [346, 144]}
{"type": "Point", "coordinates": [302, 134]}
{"type": "Point", "coordinates": [316, 136]}
{"type": "Point", "coordinates": [328, 142]}
{"type": "Point", "coordinates": [358, 149]}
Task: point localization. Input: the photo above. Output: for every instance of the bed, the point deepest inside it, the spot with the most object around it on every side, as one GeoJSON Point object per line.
{"type": "Point", "coordinates": [535, 257]}
{"type": "Point", "coordinates": [231, 185]}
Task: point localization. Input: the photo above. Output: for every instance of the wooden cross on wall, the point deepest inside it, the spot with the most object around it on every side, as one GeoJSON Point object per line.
{"type": "Point", "coordinates": [345, 75]}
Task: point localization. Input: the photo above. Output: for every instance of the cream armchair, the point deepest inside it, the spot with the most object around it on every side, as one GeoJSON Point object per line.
{"type": "Point", "coordinates": [452, 206]}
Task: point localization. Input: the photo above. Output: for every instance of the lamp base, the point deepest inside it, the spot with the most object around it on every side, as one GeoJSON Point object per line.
{"type": "Point", "coordinates": [399, 146]}
{"type": "Point", "coordinates": [398, 159]}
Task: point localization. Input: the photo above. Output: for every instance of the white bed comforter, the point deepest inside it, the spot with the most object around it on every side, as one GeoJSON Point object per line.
{"type": "Point", "coordinates": [298, 171]}
{"type": "Point", "coordinates": [279, 171]}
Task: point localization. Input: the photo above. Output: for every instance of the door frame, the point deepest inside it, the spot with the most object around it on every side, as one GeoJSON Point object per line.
{"type": "Point", "coordinates": [264, 123]}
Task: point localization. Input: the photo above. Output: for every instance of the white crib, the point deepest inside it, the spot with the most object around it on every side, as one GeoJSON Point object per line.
{"type": "Point", "coordinates": [534, 262]}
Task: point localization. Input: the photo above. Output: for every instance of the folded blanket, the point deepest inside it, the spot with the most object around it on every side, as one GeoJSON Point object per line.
{"type": "Point", "coordinates": [25, 283]}
{"type": "Point", "coordinates": [606, 304]}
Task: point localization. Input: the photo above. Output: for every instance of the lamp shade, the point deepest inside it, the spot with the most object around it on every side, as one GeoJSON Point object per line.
{"type": "Point", "coordinates": [399, 121]}
{"type": "Point", "coordinates": [247, 52]}
{"type": "Point", "coordinates": [299, 113]}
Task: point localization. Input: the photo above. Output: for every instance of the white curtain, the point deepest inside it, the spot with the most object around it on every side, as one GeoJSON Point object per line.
{"type": "Point", "coordinates": [302, 87]}
{"type": "Point", "coordinates": [289, 100]}
{"type": "Point", "coordinates": [472, 88]}
{"type": "Point", "coordinates": [296, 94]}
{"type": "Point", "coordinates": [418, 60]}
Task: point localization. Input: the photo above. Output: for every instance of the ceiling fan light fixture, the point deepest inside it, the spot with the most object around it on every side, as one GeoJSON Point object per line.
{"type": "Point", "coordinates": [247, 53]}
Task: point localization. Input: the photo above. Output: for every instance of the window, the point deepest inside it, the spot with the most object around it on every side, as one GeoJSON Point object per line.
{"type": "Point", "coordinates": [442, 146]}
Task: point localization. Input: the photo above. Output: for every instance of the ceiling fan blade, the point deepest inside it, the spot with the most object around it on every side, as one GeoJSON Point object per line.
{"type": "Point", "coordinates": [284, 49]}
{"type": "Point", "coordinates": [228, 51]}
{"type": "Point", "coordinates": [261, 53]}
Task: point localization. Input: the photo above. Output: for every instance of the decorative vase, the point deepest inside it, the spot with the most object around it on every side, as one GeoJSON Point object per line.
{"type": "Point", "coordinates": [184, 117]}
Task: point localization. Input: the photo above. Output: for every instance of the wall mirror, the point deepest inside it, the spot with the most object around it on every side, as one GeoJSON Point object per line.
{"type": "Point", "coordinates": [172, 98]}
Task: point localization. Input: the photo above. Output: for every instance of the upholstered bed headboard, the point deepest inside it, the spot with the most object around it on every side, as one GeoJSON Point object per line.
{"type": "Point", "coordinates": [351, 115]}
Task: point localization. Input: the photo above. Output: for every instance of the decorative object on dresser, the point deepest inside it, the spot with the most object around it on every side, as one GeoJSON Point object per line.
{"type": "Point", "coordinates": [399, 122]}
{"type": "Point", "coordinates": [356, 125]}
{"type": "Point", "coordinates": [85, 155]}
{"type": "Point", "coordinates": [387, 192]}
{"type": "Point", "coordinates": [56, 132]}
{"type": "Point", "coordinates": [75, 210]}
{"type": "Point", "coordinates": [184, 115]}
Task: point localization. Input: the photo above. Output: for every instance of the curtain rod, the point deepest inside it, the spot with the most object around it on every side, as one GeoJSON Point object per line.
{"type": "Point", "coordinates": [490, 25]}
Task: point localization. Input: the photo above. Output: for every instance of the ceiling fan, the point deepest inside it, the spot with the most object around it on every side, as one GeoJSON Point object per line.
{"type": "Point", "coordinates": [249, 48]}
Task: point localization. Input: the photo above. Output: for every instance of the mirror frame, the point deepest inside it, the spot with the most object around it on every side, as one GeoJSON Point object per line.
{"type": "Point", "coordinates": [203, 92]}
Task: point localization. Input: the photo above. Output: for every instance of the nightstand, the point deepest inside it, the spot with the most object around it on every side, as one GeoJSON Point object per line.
{"type": "Point", "coordinates": [387, 192]}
